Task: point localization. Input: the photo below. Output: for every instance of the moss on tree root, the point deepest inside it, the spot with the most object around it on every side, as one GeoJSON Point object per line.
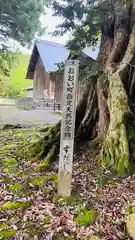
{"type": "Point", "coordinates": [46, 147]}
{"type": "Point", "coordinates": [115, 150]}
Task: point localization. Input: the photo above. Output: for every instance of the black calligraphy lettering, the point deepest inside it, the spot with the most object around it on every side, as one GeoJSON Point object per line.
{"type": "Point", "coordinates": [69, 96]}
{"type": "Point", "coordinates": [71, 78]}
{"type": "Point", "coordinates": [70, 89]}
{"type": "Point", "coordinates": [66, 148]}
{"type": "Point", "coordinates": [67, 135]}
{"type": "Point", "coordinates": [69, 103]}
{"type": "Point", "coordinates": [71, 71]}
{"type": "Point", "coordinates": [67, 128]}
{"type": "Point", "coordinates": [66, 157]}
{"type": "Point", "coordinates": [66, 166]}
{"type": "Point", "coordinates": [68, 115]}
{"type": "Point", "coordinates": [69, 109]}
{"type": "Point", "coordinates": [68, 121]}
{"type": "Point", "coordinates": [70, 84]}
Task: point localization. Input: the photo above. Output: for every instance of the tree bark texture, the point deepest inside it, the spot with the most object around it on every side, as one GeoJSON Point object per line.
{"type": "Point", "coordinates": [109, 97]}
{"type": "Point", "coordinates": [115, 151]}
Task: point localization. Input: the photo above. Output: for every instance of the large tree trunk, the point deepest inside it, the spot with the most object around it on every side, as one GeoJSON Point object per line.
{"type": "Point", "coordinates": [115, 151]}
{"type": "Point", "coordinates": [108, 100]}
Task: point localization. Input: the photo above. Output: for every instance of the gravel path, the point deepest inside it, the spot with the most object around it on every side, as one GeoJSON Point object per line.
{"type": "Point", "coordinates": [12, 115]}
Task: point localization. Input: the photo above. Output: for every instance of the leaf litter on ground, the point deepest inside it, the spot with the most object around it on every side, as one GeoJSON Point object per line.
{"type": "Point", "coordinates": [31, 209]}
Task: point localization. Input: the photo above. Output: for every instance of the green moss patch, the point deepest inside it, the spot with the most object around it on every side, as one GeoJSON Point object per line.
{"type": "Point", "coordinates": [43, 166]}
{"type": "Point", "coordinates": [10, 161]}
{"type": "Point", "coordinates": [10, 165]}
{"type": "Point", "coordinates": [16, 205]}
{"type": "Point", "coordinates": [7, 234]}
{"type": "Point", "coordinates": [16, 188]}
{"type": "Point", "coordinates": [3, 226]}
{"type": "Point", "coordinates": [38, 181]}
{"type": "Point", "coordinates": [86, 217]}
{"type": "Point", "coordinates": [10, 147]}
{"type": "Point", "coordinates": [47, 220]}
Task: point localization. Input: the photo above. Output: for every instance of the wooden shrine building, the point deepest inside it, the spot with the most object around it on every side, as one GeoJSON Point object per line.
{"type": "Point", "coordinates": [43, 68]}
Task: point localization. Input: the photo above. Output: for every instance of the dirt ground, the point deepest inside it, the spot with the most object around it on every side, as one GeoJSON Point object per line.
{"type": "Point", "coordinates": [12, 115]}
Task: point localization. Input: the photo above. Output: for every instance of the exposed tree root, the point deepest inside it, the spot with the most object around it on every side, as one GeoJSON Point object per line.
{"type": "Point", "coordinates": [88, 125]}
{"type": "Point", "coordinates": [44, 146]}
{"type": "Point", "coordinates": [48, 147]}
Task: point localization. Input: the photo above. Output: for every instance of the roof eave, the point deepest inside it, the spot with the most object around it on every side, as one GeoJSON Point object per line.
{"type": "Point", "coordinates": [32, 63]}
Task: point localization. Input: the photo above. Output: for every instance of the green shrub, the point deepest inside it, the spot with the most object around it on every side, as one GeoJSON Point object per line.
{"type": "Point", "coordinates": [12, 91]}
{"type": "Point", "coordinates": [13, 68]}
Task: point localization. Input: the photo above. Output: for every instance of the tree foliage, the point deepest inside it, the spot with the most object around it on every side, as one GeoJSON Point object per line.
{"type": "Point", "coordinates": [7, 60]}
{"type": "Point", "coordinates": [20, 19]}
{"type": "Point", "coordinates": [106, 109]}
{"type": "Point", "coordinates": [83, 18]}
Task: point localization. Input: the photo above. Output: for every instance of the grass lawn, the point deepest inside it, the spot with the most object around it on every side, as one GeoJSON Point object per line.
{"type": "Point", "coordinates": [19, 72]}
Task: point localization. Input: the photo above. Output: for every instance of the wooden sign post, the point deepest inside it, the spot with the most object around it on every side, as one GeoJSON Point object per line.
{"type": "Point", "coordinates": [68, 127]}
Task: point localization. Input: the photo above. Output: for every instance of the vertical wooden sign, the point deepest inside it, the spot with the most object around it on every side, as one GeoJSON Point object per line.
{"type": "Point", "coordinates": [68, 127]}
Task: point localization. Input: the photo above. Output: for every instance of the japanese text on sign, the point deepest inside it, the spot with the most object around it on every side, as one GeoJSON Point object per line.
{"type": "Point", "coordinates": [68, 127]}
{"type": "Point", "coordinates": [68, 120]}
{"type": "Point", "coordinates": [66, 164]}
{"type": "Point", "coordinates": [69, 98]}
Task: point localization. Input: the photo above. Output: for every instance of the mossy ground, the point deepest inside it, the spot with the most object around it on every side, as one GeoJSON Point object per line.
{"type": "Point", "coordinates": [29, 204]}
{"type": "Point", "coordinates": [21, 180]}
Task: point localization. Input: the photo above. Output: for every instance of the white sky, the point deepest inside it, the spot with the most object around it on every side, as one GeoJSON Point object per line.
{"type": "Point", "coordinates": [51, 22]}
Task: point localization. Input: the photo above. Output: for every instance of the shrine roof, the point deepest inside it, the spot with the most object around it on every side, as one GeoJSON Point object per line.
{"type": "Point", "coordinates": [51, 54]}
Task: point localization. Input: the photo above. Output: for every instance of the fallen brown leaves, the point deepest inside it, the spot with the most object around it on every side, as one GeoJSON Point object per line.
{"type": "Point", "coordinates": [48, 218]}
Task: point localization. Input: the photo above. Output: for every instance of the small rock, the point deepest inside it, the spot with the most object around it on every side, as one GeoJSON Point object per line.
{"type": "Point", "coordinates": [130, 224]}
{"type": "Point", "coordinates": [35, 237]}
{"type": "Point", "coordinates": [25, 236]}
{"type": "Point", "coordinates": [41, 218]}
{"type": "Point", "coordinates": [49, 236]}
